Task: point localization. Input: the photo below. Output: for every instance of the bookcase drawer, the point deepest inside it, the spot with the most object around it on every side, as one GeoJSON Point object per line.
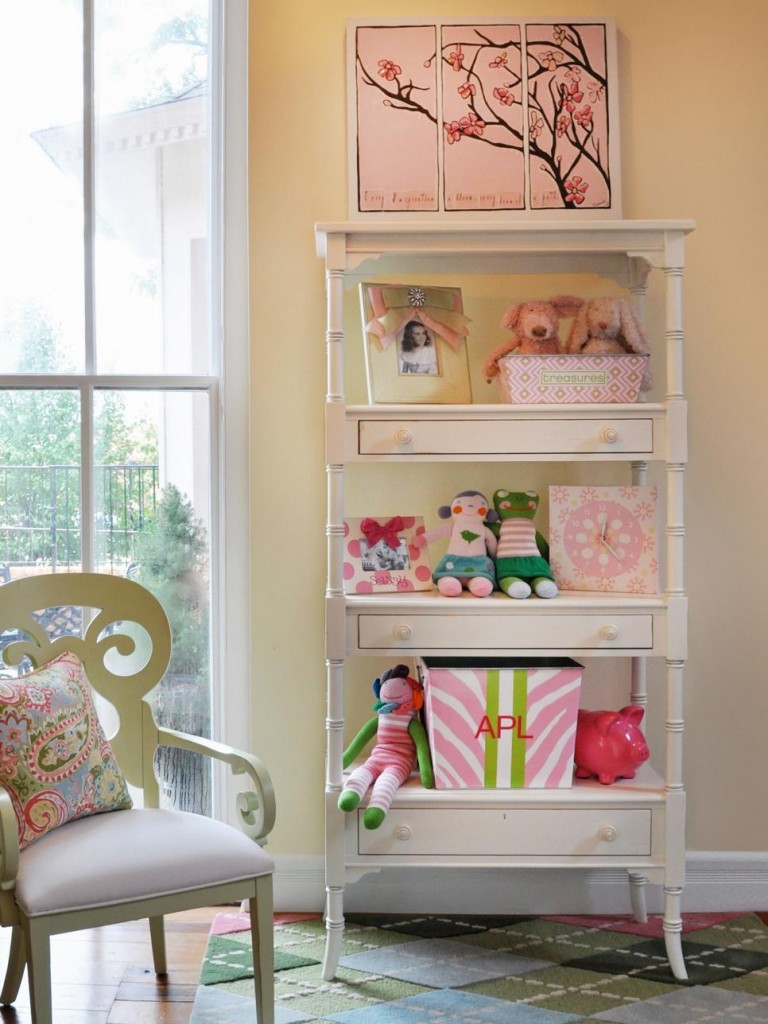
{"type": "Point", "coordinates": [520, 832]}
{"type": "Point", "coordinates": [507, 632]}
{"type": "Point", "coordinates": [403, 437]}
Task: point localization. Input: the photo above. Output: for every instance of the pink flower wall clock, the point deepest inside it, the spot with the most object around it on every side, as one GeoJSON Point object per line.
{"type": "Point", "coordinates": [501, 117]}
{"type": "Point", "coordinates": [605, 538]}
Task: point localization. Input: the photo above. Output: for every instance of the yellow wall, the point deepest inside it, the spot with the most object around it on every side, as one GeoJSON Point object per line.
{"type": "Point", "coordinates": [693, 87]}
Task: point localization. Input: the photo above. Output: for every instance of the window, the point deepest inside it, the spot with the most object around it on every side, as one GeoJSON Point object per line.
{"type": "Point", "coordinates": [123, 145]}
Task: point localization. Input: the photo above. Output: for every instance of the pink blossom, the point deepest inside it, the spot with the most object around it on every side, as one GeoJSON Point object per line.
{"type": "Point", "coordinates": [573, 74]}
{"type": "Point", "coordinates": [584, 117]}
{"type": "Point", "coordinates": [466, 90]}
{"type": "Point", "coordinates": [576, 187]}
{"type": "Point", "coordinates": [559, 34]}
{"type": "Point", "coordinates": [504, 96]}
{"type": "Point", "coordinates": [535, 125]}
{"type": "Point", "coordinates": [455, 59]}
{"type": "Point", "coordinates": [499, 61]}
{"type": "Point", "coordinates": [452, 132]}
{"type": "Point", "coordinates": [563, 123]}
{"type": "Point", "coordinates": [550, 59]}
{"type": "Point", "coordinates": [472, 124]}
{"type": "Point", "coordinates": [570, 96]}
{"type": "Point", "coordinates": [595, 91]}
{"type": "Point", "coordinates": [389, 70]}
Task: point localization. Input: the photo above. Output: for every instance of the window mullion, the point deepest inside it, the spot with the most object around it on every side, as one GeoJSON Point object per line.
{"type": "Point", "coordinates": [87, 553]}
{"type": "Point", "coordinates": [89, 176]}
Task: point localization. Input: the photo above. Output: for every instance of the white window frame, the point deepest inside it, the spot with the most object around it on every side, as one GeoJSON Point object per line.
{"type": "Point", "coordinates": [227, 386]}
{"type": "Point", "coordinates": [231, 653]}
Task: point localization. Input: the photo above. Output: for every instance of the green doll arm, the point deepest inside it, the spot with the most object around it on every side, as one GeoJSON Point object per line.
{"type": "Point", "coordinates": [367, 732]}
{"type": "Point", "coordinates": [419, 736]}
{"type": "Point", "coordinates": [543, 546]}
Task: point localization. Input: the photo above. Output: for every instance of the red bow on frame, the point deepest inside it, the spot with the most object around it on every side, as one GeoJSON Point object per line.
{"type": "Point", "coordinates": [374, 531]}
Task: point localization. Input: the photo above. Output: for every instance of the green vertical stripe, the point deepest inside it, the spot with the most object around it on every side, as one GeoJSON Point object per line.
{"type": "Point", "coordinates": [492, 711]}
{"type": "Point", "coordinates": [519, 710]}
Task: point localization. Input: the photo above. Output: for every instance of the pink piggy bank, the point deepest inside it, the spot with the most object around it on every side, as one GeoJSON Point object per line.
{"type": "Point", "coordinates": [609, 744]}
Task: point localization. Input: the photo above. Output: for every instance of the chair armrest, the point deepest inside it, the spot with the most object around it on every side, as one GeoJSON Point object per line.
{"type": "Point", "coordinates": [256, 808]}
{"type": "Point", "coordinates": [9, 842]}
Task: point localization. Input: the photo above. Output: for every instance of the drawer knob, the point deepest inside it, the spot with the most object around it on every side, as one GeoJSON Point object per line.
{"type": "Point", "coordinates": [403, 832]}
{"type": "Point", "coordinates": [609, 633]}
{"type": "Point", "coordinates": [607, 833]}
{"type": "Point", "coordinates": [403, 632]}
{"type": "Point", "coordinates": [403, 435]}
{"type": "Point", "coordinates": [609, 435]}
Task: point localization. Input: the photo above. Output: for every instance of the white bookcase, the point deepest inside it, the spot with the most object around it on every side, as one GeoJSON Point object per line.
{"type": "Point", "coordinates": [637, 824]}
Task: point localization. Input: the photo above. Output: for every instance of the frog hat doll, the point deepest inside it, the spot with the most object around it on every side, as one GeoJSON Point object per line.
{"type": "Point", "coordinates": [521, 551]}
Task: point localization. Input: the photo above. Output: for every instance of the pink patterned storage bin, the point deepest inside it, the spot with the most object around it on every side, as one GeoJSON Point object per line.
{"type": "Point", "coordinates": [501, 723]}
{"type": "Point", "coordinates": [566, 379]}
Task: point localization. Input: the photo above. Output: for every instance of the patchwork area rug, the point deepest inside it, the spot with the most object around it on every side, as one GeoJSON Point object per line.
{"type": "Point", "coordinates": [493, 970]}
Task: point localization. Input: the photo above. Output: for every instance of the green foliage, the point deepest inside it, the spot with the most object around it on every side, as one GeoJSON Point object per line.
{"type": "Point", "coordinates": [172, 554]}
{"type": "Point", "coordinates": [37, 428]}
{"type": "Point", "coordinates": [172, 557]}
{"type": "Point", "coordinates": [42, 427]}
{"type": "Point", "coordinates": [191, 30]}
{"type": "Point", "coordinates": [121, 440]}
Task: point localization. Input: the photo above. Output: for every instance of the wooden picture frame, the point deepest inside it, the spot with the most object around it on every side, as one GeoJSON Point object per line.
{"type": "Point", "coordinates": [415, 341]}
{"type": "Point", "coordinates": [451, 118]}
{"type": "Point", "coordinates": [381, 555]}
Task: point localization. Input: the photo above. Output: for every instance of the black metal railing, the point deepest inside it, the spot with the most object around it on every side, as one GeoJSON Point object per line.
{"type": "Point", "coordinates": [40, 513]}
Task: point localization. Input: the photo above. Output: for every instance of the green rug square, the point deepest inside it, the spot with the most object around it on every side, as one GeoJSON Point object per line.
{"type": "Point", "coordinates": [569, 990]}
{"type": "Point", "coordinates": [229, 960]}
{"type": "Point", "coordinates": [550, 940]}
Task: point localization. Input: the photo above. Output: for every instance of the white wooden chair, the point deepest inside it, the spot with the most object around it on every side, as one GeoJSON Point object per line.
{"type": "Point", "coordinates": [132, 863]}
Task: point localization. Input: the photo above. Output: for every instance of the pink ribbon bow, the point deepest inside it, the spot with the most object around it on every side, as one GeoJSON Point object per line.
{"type": "Point", "coordinates": [374, 531]}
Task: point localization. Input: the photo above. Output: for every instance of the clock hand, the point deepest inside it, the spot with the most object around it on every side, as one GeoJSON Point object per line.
{"type": "Point", "coordinates": [615, 555]}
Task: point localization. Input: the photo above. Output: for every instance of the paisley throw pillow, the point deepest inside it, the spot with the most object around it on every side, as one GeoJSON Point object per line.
{"type": "Point", "coordinates": [55, 761]}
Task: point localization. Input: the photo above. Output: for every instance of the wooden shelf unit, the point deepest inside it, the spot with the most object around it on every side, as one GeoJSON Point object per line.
{"type": "Point", "coordinates": [636, 824]}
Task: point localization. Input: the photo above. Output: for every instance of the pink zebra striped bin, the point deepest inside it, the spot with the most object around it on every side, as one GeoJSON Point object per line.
{"type": "Point", "coordinates": [502, 723]}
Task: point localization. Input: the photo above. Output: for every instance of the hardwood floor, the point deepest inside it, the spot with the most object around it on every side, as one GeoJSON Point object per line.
{"type": "Point", "coordinates": [105, 975]}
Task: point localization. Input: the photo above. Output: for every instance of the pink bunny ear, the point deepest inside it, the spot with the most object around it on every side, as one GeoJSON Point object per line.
{"type": "Point", "coordinates": [632, 329]}
{"type": "Point", "coordinates": [510, 318]}
{"type": "Point", "coordinates": [577, 339]}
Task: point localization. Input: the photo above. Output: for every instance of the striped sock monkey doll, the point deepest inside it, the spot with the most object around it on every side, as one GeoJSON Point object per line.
{"type": "Point", "coordinates": [401, 742]}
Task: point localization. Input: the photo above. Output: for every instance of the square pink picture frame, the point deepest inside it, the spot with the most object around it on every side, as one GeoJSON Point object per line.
{"type": "Point", "coordinates": [385, 554]}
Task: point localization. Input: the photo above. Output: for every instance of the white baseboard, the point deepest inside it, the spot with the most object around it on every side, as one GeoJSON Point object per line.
{"type": "Point", "coordinates": [716, 881]}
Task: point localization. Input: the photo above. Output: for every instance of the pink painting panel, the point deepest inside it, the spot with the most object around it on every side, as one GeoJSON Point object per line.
{"type": "Point", "coordinates": [483, 163]}
{"type": "Point", "coordinates": [568, 126]}
{"type": "Point", "coordinates": [396, 118]}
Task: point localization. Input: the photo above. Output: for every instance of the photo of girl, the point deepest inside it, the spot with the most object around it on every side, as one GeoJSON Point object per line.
{"type": "Point", "coordinates": [417, 350]}
{"type": "Point", "coordinates": [415, 343]}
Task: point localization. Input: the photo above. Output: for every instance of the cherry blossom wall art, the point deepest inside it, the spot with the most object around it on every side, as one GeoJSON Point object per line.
{"type": "Point", "coordinates": [518, 117]}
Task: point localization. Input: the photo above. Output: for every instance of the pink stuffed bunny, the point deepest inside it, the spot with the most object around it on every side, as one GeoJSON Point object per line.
{"type": "Point", "coordinates": [609, 326]}
{"type": "Point", "coordinates": [535, 324]}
